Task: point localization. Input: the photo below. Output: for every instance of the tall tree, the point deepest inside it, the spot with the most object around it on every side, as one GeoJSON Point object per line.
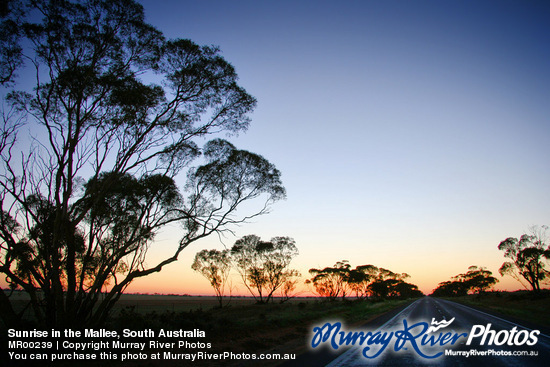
{"type": "Point", "coordinates": [529, 255]}
{"type": "Point", "coordinates": [215, 266]}
{"type": "Point", "coordinates": [117, 103]}
{"type": "Point", "coordinates": [264, 266]}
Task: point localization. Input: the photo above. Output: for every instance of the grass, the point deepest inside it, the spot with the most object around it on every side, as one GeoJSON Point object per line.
{"type": "Point", "coordinates": [521, 305]}
{"type": "Point", "coordinates": [243, 311]}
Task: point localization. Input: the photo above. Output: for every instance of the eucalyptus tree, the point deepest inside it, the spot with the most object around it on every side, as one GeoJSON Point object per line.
{"type": "Point", "coordinates": [529, 254]}
{"type": "Point", "coordinates": [264, 266]}
{"type": "Point", "coordinates": [365, 280]}
{"type": "Point", "coordinates": [331, 282]}
{"type": "Point", "coordinates": [450, 288]}
{"type": "Point", "coordinates": [476, 280]}
{"type": "Point", "coordinates": [385, 282]}
{"type": "Point", "coordinates": [215, 266]}
{"type": "Point", "coordinates": [112, 133]}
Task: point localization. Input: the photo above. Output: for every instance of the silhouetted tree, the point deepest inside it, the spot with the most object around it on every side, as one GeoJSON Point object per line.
{"type": "Point", "coordinates": [215, 266]}
{"type": "Point", "coordinates": [475, 280]}
{"type": "Point", "coordinates": [406, 290]}
{"type": "Point", "coordinates": [11, 55]}
{"type": "Point", "coordinates": [289, 286]}
{"type": "Point", "coordinates": [450, 289]}
{"type": "Point", "coordinates": [359, 280]}
{"type": "Point", "coordinates": [382, 288]}
{"type": "Point", "coordinates": [528, 255]}
{"type": "Point", "coordinates": [265, 266]}
{"type": "Point", "coordinates": [364, 280]}
{"type": "Point", "coordinates": [331, 282]}
{"type": "Point", "coordinates": [384, 281]}
{"type": "Point", "coordinates": [114, 101]}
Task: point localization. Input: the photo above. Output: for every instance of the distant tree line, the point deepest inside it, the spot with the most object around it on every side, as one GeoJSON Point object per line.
{"type": "Point", "coordinates": [475, 280]}
{"type": "Point", "coordinates": [264, 270]}
{"type": "Point", "coordinates": [364, 281]}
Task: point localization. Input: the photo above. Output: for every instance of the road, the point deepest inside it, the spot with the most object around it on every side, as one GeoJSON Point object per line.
{"type": "Point", "coordinates": [428, 308]}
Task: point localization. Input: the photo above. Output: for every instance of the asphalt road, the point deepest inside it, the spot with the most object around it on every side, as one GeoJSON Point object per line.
{"type": "Point", "coordinates": [428, 308]}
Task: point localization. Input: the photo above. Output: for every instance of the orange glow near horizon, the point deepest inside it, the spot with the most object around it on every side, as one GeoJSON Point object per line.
{"type": "Point", "coordinates": [185, 281]}
{"type": "Point", "coordinates": [180, 280]}
{"type": "Point", "coordinates": [145, 286]}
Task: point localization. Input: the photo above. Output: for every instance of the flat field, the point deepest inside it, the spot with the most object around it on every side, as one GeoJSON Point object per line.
{"type": "Point", "coordinates": [521, 305]}
{"type": "Point", "coordinates": [144, 303]}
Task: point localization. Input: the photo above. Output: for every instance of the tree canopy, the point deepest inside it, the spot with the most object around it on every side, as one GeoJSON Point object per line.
{"type": "Point", "coordinates": [332, 281]}
{"type": "Point", "coordinates": [119, 136]}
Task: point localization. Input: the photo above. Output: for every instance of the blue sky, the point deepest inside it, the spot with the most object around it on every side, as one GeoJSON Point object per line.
{"type": "Point", "coordinates": [412, 135]}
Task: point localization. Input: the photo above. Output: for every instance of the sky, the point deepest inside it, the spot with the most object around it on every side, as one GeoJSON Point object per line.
{"type": "Point", "coordinates": [412, 135]}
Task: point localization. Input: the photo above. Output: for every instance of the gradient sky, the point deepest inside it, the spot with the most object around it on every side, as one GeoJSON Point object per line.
{"type": "Point", "coordinates": [412, 135]}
